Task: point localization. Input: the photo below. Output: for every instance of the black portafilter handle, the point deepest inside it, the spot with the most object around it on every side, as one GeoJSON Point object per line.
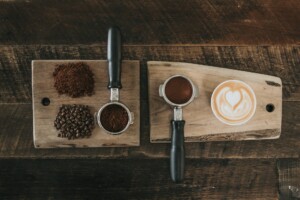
{"type": "Point", "coordinates": [114, 57]}
{"type": "Point", "coordinates": [177, 154]}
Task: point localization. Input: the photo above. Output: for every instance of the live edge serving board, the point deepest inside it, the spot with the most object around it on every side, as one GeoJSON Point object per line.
{"type": "Point", "coordinates": [44, 132]}
{"type": "Point", "coordinates": [201, 124]}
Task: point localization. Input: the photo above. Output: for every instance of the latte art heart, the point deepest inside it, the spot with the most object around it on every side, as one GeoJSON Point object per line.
{"type": "Point", "coordinates": [233, 97]}
{"type": "Point", "coordinates": [233, 102]}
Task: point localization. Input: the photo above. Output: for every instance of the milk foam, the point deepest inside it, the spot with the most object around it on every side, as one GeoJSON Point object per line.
{"type": "Point", "coordinates": [233, 102]}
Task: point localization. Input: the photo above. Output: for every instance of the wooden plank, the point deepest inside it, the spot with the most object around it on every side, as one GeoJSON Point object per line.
{"type": "Point", "coordinates": [45, 134]}
{"type": "Point", "coordinates": [16, 140]}
{"type": "Point", "coordinates": [280, 61]}
{"type": "Point", "coordinates": [289, 178]}
{"type": "Point", "coordinates": [137, 179]}
{"type": "Point", "coordinates": [201, 124]}
{"type": "Point", "coordinates": [285, 147]}
{"type": "Point", "coordinates": [211, 22]}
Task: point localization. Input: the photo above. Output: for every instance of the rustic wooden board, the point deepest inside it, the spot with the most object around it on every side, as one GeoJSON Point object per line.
{"type": "Point", "coordinates": [201, 124]}
{"type": "Point", "coordinates": [15, 90]}
{"type": "Point", "coordinates": [281, 61]}
{"type": "Point", "coordinates": [45, 134]}
{"type": "Point", "coordinates": [16, 141]}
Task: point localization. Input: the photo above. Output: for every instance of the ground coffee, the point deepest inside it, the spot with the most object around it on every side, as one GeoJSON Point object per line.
{"type": "Point", "coordinates": [179, 90]}
{"type": "Point", "coordinates": [74, 79]}
{"type": "Point", "coordinates": [74, 121]}
{"type": "Point", "coordinates": [114, 118]}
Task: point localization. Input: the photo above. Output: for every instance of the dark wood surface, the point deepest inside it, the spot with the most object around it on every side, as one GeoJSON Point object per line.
{"type": "Point", "coordinates": [252, 35]}
{"type": "Point", "coordinates": [137, 179]}
{"type": "Point", "coordinates": [281, 61]}
{"type": "Point", "coordinates": [273, 60]}
{"type": "Point", "coordinates": [151, 22]}
{"type": "Point", "coordinates": [289, 178]}
{"type": "Point", "coordinates": [17, 141]}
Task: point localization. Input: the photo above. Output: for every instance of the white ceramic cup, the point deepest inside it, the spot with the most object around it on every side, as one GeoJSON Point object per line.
{"type": "Point", "coordinates": [233, 102]}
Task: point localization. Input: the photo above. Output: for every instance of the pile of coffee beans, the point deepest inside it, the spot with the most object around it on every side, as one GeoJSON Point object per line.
{"type": "Point", "coordinates": [74, 79]}
{"type": "Point", "coordinates": [74, 121]}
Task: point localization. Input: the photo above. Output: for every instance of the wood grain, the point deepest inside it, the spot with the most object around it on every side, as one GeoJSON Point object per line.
{"type": "Point", "coordinates": [289, 178]}
{"type": "Point", "coordinates": [137, 179]}
{"type": "Point", "coordinates": [44, 132]}
{"type": "Point", "coordinates": [15, 87]}
{"type": "Point", "coordinates": [280, 61]}
{"type": "Point", "coordinates": [284, 147]}
{"type": "Point", "coordinates": [201, 125]}
{"type": "Point", "coordinates": [16, 140]}
{"type": "Point", "coordinates": [213, 22]}
{"type": "Point", "coordinates": [167, 30]}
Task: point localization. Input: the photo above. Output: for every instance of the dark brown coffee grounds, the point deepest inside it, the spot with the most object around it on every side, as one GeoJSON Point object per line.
{"type": "Point", "coordinates": [114, 118]}
{"type": "Point", "coordinates": [74, 121]}
{"type": "Point", "coordinates": [74, 79]}
{"type": "Point", "coordinates": [179, 90]}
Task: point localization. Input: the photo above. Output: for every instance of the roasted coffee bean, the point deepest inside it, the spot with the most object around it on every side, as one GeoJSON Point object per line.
{"type": "Point", "coordinates": [74, 121]}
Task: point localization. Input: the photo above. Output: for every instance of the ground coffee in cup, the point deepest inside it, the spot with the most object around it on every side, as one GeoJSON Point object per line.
{"type": "Point", "coordinates": [178, 90]}
{"type": "Point", "coordinates": [114, 118]}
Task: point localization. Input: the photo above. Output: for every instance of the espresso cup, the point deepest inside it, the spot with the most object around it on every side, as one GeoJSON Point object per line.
{"type": "Point", "coordinates": [233, 102]}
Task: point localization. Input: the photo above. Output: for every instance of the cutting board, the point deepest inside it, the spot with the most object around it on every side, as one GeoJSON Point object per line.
{"type": "Point", "coordinates": [201, 125]}
{"type": "Point", "coordinates": [44, 132]}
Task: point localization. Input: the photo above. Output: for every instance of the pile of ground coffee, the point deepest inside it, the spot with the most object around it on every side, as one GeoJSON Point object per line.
{"type": "Point", "coordinates": [114, 118]}
{"type": "Point", "coordinates": [74, 79]}
{"type": "Point", "coordinates": [74, 121]}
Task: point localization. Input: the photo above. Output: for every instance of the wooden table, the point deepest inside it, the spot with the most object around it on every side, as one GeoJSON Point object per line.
{"type": "Point", "coordinates": [260, 36]}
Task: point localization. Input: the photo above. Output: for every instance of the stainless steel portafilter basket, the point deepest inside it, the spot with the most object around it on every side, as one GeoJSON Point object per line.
{"type": "Point", "coordinates": [114, 117]}
{"type": "Point", "coordinates": [178, 91]}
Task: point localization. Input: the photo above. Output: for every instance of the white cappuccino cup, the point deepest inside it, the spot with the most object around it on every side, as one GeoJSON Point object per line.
{"type": "Point", "coordinates": [233, 102]}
